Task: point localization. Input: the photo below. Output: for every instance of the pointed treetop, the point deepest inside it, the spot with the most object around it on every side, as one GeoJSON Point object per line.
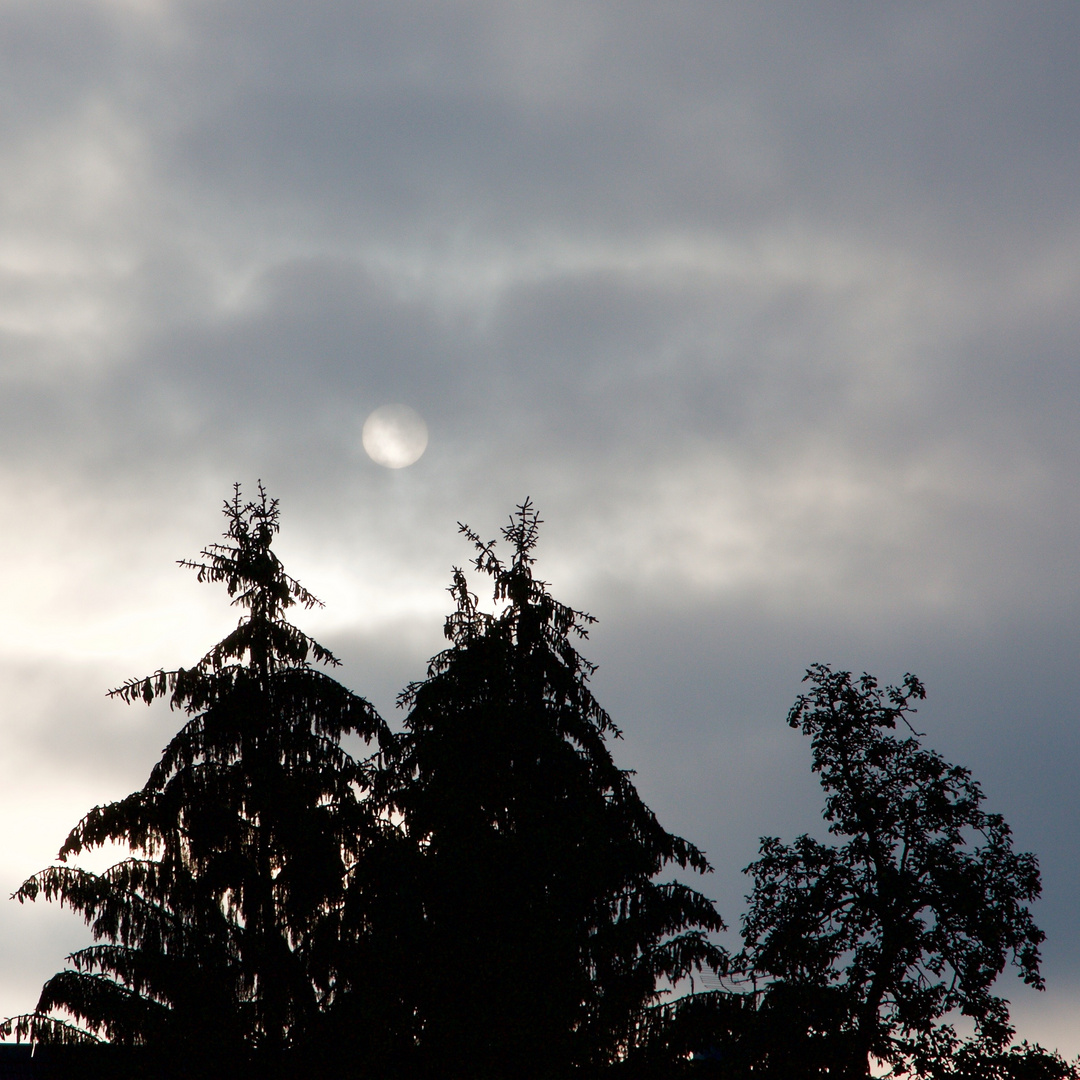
{"type": "Point", "coordinates": [532, 608]}
{"type": "Point", "coordinates": [256, 581]}
{"type": "Point", "coordinates": [252, 573]}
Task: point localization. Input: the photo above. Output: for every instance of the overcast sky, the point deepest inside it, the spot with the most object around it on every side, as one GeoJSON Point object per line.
{"type": "Point", "coordinates": [772, 308]}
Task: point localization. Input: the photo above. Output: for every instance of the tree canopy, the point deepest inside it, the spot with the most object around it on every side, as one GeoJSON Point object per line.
{"type": "Point", "coordinates": [483, 895]}
{"type": "Point", "coordinates": [545, 929]}
{"type": "Point", "coordinates": [918, 907]}
{"type": "Point", "coordinates": [220, 930]}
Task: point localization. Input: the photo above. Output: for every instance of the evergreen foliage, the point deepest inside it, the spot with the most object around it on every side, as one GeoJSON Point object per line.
{"type": "Point", "coordinates": [220, 933]}
{"type": "Point", "coordinates": [545, 935]}
{"type": "Point", "coordinates": [480, 897]}
{"type": "Point", "coordinates": [789, 1031]}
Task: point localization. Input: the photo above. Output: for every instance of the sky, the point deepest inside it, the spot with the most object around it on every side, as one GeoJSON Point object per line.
{"type": "Point", "coordinates": [772, 308]}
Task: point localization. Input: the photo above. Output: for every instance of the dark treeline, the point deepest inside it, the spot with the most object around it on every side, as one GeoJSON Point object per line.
{"type": "Point", "coordinates": [485, 894]}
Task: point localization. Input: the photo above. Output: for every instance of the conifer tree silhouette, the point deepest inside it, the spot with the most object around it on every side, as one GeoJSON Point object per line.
{"type": "Point", "coordinates": [220, 933]}
{"type": "Point", "coordinates": [544, 934]}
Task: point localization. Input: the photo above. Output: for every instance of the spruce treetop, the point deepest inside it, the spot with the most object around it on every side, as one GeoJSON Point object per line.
{"type": "Point", "coordinates": [543, 922]}
{"type": "Point", "coordinates": [220, 929]}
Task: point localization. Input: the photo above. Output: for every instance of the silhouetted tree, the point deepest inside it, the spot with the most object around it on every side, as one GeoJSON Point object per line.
{"type": "Point", "coordinates": [975, 1059]}
{"type": "Point", "coordinates": [221, 932]}
{"type": "Point", "coordinates": [919, 908]}
{"type": "Point", "coordinates": [545, 935]}
{"type": "Point", "coordinates": [791, 1031]}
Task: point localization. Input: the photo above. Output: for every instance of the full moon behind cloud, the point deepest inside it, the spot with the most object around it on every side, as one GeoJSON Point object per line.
{"type": "Point", "coordinates": [395, 436]}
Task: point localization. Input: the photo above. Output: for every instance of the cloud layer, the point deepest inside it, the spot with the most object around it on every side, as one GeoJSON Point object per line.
{"type": "Point", "coordinates": [772, 309]}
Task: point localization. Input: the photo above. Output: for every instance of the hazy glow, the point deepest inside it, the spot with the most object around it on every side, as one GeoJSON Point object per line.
{"type": "Point", "coordinates": [395, 436]}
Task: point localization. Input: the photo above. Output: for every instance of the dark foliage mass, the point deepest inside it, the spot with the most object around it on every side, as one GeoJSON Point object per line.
{"type": "Point", "coordinates": [220, 931]}
{"type": "Point", "coordinates": [482, 896]}
{"type": "Point", "coordinates": [912, 914]}
{"type": "Point", "coordinates": [544, 925]}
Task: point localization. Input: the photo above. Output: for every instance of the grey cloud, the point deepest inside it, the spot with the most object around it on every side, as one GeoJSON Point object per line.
{"type": "Point", "coordinates": [627, 119]}
{"type": "Point", "coordinates": [771, 307]}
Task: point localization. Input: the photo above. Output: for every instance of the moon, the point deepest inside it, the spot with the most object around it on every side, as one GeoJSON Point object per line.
{"type": "Point", "coordinates": [395, 436]}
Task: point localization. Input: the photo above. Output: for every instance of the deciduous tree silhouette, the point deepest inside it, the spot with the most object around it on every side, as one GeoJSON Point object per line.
{"type": "Point", "coordinates": [977, 1060]}
{"type": "Point", "coordinates": [544, 935]}
{"type": "Point", "coordinates": [221, 932]}
{"type": "Point", "coordinates": [915, 911]}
